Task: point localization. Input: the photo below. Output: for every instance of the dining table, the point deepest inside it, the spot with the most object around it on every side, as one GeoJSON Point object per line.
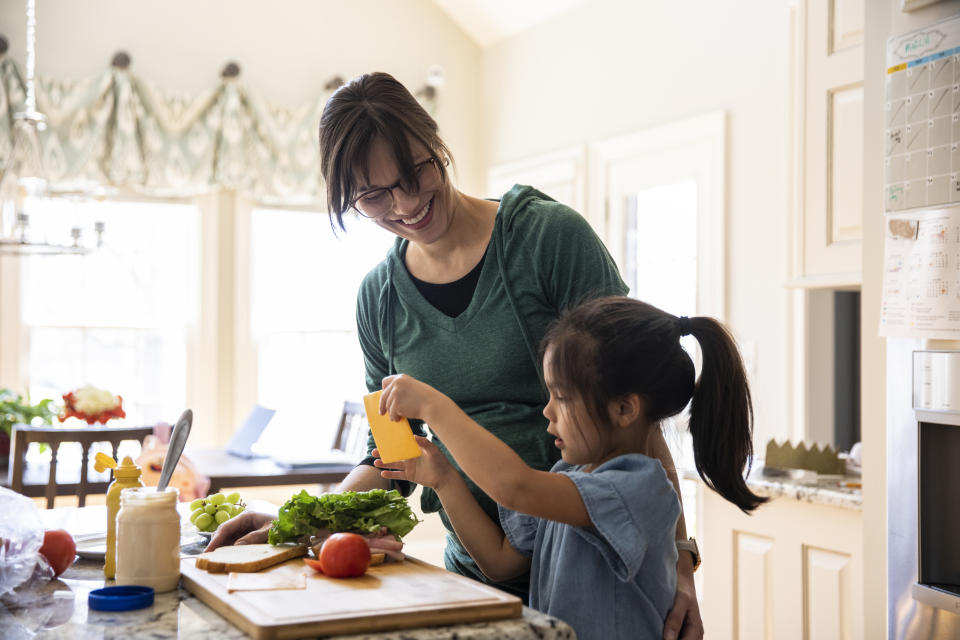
{"type": "Point", "coordinates": [223, 469]}
{"type": "Point", "coordinates": [57, 608]}
{"type": "Point", "coordinates": [227, 470]}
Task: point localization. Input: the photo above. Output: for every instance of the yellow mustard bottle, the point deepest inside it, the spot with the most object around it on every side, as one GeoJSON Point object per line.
{"type": "Point", "coordinates": [125, 476]}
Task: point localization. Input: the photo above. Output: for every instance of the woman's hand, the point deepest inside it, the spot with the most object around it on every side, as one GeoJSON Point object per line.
{"type": "Point", "coordinates": [431, 469]}
{"type": "Point", "coordinates": [684, 617]}
{"type": "Point", "coordinates": [247, 528]}
{"type": "Point", "coordinates": [406, 397]}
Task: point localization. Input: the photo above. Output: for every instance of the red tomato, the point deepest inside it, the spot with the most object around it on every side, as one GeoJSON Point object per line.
{"type": "Point", "coordinates": [314, 564]}
{"type": "Point", "coordinates": [344, 555]}
{"type": "Point", "coordinates": [59, 549]}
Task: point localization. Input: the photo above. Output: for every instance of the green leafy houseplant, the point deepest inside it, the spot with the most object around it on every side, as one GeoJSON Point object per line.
{"type": "Point", "coordinates": [14, 409]}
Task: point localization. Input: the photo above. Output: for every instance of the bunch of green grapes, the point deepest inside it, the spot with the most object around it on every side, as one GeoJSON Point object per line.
{"type": "Point", "coordinates": [210, 512]}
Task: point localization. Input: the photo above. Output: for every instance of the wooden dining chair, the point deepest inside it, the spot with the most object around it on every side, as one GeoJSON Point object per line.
{"type": "Point", "coordinates": [353, 430]}
{"type": "Point", "coordinates": [34, 487]}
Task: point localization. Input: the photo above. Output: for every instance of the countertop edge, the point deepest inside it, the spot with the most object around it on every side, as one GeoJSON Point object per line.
{"type": "Point", "coordinates": [826, 491]}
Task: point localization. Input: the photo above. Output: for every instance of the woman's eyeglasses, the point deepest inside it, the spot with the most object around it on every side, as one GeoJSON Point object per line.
{"type": "Point", "coordinates": [378, 202]}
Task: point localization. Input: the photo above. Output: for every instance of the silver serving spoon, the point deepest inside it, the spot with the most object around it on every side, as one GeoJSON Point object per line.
{"type": "Point", "coordinates": [175, 448]}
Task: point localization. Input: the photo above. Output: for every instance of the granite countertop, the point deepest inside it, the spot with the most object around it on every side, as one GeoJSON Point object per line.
{"type": "Point", "coordinates": [831, 490]}
{"type": "Point", "coordinates": [58, 608]}
{"type": "Point", "coordinates": [805, 486]}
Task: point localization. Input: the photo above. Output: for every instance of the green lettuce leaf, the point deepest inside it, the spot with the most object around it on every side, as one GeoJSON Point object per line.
{"type": "Point", "coordinates": [356, 511]}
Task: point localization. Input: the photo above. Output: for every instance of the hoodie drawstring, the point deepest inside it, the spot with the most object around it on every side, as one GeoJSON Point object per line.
{"type": "Point", "coordinates": [531, 350]}
{"type": "Point", "coordinates": [389, 312]}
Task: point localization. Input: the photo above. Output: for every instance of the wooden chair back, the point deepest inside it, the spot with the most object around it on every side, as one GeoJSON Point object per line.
{"type": "Point", "coordinates": [353, 430]}
{"type": "Point", "coordinates": [23, 435]}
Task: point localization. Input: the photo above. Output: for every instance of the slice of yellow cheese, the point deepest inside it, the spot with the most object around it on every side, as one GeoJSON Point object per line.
{"type": "Point", "coordinates": [283, 578]}
{"type": "Point", "coordinates": [394, 439]}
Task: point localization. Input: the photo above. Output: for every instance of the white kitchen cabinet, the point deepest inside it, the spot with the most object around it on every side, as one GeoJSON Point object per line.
{"type": "Point", "coordinates": [791, 571]}
{"type": "Point", "coordinates": [826, 71]}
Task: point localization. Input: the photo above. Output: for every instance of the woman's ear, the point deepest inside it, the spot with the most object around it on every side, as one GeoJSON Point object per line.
{"type": "Point", "coordinates": [626, 410]}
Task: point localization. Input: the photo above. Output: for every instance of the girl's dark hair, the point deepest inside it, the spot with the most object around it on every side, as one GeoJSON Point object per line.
{"type": "Point", "coordinates": [612, 347]}
{"type": "Point", "coordinates": [370, 106]}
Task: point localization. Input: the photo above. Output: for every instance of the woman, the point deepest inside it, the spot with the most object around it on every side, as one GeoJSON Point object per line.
{"type": "Point", "coordinates": [463, 298]}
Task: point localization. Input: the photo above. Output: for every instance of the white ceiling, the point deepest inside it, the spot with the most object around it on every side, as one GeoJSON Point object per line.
{"type": "Point", "coordinates": [488, 21]}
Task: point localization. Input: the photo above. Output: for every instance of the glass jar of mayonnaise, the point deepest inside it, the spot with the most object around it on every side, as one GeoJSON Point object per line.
{"type": "Point", "coordinates": [148, 538]}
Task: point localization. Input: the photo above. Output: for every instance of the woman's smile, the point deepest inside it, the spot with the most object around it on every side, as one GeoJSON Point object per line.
{"type": "Point", "coordinates": [422, 218]}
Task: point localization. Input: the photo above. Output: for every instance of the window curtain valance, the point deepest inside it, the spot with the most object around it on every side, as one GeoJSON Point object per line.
{"type": "Point", "coordinates": [117, 129]}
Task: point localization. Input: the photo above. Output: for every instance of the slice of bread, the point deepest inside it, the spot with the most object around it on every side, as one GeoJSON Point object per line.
{"type": "Point", "coordinates": [248, 558]}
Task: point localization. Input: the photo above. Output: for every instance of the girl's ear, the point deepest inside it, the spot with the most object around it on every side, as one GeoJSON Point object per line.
{"type": "Point", "coordinates": [626, 410]}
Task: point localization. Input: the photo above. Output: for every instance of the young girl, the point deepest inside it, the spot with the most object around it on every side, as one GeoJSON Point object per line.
{"type": "Point", "coordinates": [599, 527]}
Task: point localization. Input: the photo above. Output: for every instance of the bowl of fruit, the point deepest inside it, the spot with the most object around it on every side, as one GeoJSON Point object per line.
{"type": "Point", "coordinates": [207, 514]}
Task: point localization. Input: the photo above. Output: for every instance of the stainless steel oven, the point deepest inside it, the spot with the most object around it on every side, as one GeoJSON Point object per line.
{"type": "Point", "coordinates": [936, 405]}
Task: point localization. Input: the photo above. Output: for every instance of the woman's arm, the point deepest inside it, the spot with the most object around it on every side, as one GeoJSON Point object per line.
{"type": "Point", "coordinates": [685, 614]}
{"type": "Point", "coordinates": [490, 462]}
{"type": "Point", "coordinates": [363, 478]}
{"type": "Point", "coordinates": [658, 446]}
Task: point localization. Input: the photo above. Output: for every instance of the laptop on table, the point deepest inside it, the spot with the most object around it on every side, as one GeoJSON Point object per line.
{"type": "Point", "coordinates": [241, 445]}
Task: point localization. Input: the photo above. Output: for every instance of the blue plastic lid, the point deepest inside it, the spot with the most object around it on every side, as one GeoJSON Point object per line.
{"type": "Point", "coordinates": [120, 598]}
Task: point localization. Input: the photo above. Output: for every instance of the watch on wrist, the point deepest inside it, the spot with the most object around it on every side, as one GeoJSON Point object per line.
{"type": "Point", "coordinates": [691, 546]}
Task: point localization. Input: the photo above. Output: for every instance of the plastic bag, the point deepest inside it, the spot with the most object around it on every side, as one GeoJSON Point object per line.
{"type": "Point", "coordinates": [21, 536]}
{"type": "Point", "coordinates": [186, 478]}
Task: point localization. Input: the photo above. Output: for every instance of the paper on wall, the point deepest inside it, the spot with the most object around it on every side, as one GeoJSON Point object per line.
{"type": "Point", "coordinates": [921, 275]}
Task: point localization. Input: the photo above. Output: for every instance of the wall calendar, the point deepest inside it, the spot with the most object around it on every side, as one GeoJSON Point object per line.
{"type": "Point", "coordinates": [922, 152]}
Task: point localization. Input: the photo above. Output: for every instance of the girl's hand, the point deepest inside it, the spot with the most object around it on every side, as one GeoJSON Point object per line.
{"type": "Point", "coordinates": [431, 469]}
{"type": "Point", "coordinates": [406, 397]}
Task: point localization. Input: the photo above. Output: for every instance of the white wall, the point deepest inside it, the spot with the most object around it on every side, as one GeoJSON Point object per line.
{"type": "Point", "coordinates": [287, 49]}
{"type": "Point", "coordinates": [610, 67]}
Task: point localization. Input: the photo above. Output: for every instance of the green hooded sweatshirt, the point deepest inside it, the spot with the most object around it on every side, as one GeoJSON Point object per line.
{"type": "Point", "coordinates": [542, 258]}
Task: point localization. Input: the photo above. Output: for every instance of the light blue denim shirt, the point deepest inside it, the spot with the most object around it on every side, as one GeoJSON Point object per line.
{"type": "Point", "coordinates": [618, 578]}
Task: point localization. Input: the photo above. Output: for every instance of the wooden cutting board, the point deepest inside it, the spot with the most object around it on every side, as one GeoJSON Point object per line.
{"type": "Point", "coordinates": [394, 595]}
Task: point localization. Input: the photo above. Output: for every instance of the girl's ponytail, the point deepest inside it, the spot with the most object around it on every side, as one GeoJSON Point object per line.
{"type": "Point", "coordinates": [612, 347]}
{"type": "Point", "coordinates": [721, 413]}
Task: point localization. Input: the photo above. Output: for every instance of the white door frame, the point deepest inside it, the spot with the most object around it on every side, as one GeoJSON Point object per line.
{"type": "Point", "coordinates": [695, 149]}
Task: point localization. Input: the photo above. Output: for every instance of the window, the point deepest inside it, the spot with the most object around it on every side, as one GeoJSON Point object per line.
{"type": "Point", "coordinates": [211, 305]}
{"type": "Point", "coordinates": [660, 195]}
{"type": "Point", "coordinates": [661, 257]}
{"type": "Point", "coordinates": [304, 283]}
{"type": "Point", "coordinates": [118, 317]}
{"type": "Point", "coordinates": [661, 262]}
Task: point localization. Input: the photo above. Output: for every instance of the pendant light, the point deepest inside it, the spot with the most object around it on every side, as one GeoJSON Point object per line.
{"type": "Point", "coordinates": [22, 176]}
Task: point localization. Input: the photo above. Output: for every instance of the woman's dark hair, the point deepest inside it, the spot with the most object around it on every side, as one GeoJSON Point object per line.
{"type": "Point", "coordinates": [370, 106]}
{"type": "Point", "coordinates": [616, 346]}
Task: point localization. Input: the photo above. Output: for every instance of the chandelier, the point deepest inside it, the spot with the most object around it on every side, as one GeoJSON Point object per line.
{"type": "Point", "coordinates": [22, 175]}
